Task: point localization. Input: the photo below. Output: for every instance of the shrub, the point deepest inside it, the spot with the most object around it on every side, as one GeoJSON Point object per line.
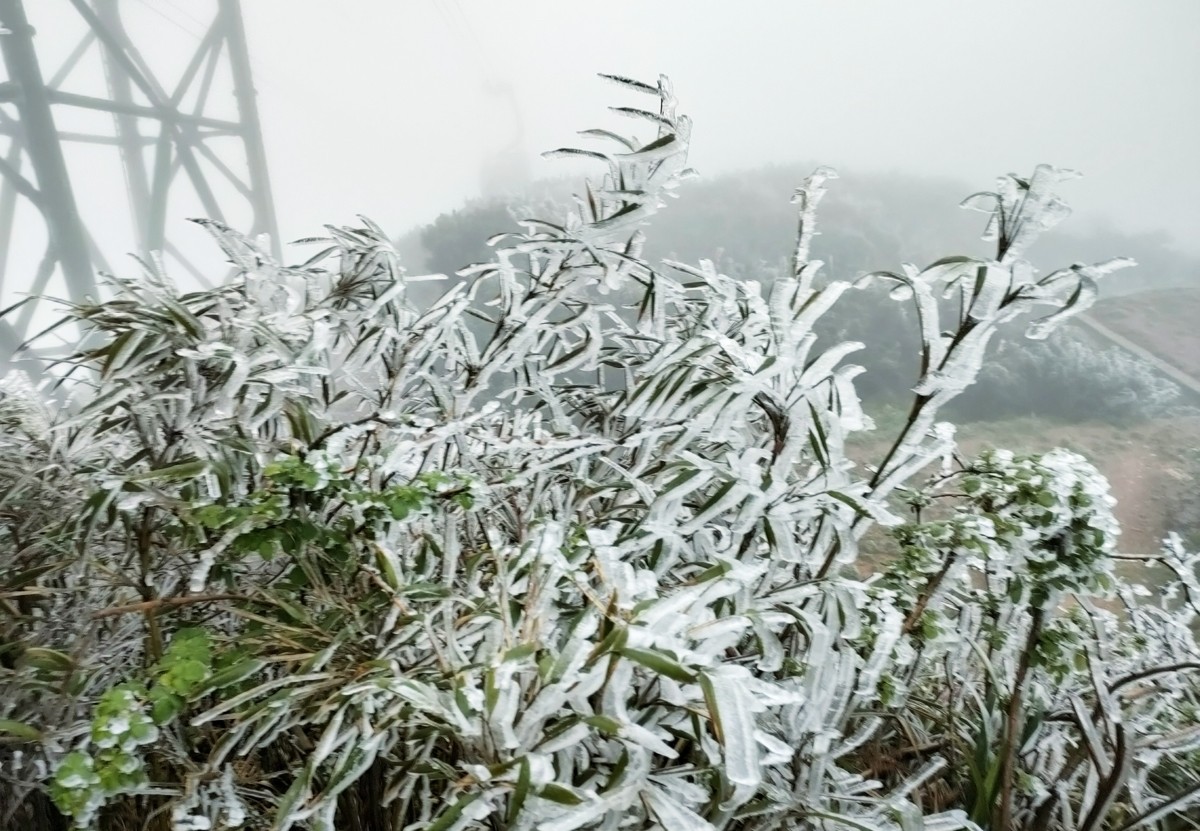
{"type": "Point", "coordinates": [1069, 378]}
{"type": "Point", "coordinates": [303, 554]}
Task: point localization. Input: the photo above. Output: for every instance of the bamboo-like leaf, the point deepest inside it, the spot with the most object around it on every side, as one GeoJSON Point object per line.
{"type": "Point", "coordinates": [20, 730]}
{"type": "Point", "coordinates": [659, 662]}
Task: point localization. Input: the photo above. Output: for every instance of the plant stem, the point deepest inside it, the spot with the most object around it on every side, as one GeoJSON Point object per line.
{"type": "Point", "coordinates": [930, 589]}
{"type": "Point", "coordinates": [163, 603]}
{"type": "Point", "coordinates": [154, 638]}
{"type": "Point", "coordinates": [1009, 750]}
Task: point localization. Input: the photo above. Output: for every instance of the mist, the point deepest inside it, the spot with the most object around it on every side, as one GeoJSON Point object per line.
{"type": "Point", "coordinates": [399, 110]}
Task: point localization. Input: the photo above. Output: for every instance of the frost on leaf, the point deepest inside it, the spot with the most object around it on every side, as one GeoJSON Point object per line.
{"type": "Point", "coordinates": [574, 544]}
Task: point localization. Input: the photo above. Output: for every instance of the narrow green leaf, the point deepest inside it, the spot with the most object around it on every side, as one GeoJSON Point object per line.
{"type": "Point", "coordinates": [20, 730]}
{"type": "Point", "coordinates": [182, 470]}
{"type": "Point", "coordinates": [520, 792]}
{"type": "Point", "coordinates": [560, 794]}
{"type": "Point", "coordinates": [659, 662]}
{"type": "Point", "coordinates": [451, 814]}
{"type": "Point", "coordinates": [229, 676]}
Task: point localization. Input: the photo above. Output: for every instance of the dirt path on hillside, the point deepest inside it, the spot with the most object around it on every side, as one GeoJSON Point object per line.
{"type": "Point", "coordinates": [1162, 322]}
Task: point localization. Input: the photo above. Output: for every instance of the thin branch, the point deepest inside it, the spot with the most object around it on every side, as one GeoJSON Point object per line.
{"type": "Point", "coordinates": [164, 603]}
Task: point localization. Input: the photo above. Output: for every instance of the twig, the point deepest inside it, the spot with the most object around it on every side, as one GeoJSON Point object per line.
{"type": "Point", "coordinates": [1011, 746]}
{"type": "Point", "coordinates": [931, 588]}
{"type": "Point", "coordinates": [163, 603]}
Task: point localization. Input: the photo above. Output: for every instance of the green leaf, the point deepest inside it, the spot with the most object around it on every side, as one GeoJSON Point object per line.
{"type": "Point", "coordinates": [612, 642]}
{"type": "Point", "coordinates": [520, 792]}
{"type": "Point", "coordinates": [845, 499]}
{"type": "Point", "coordinates": [618, 771]}
{"type": "Point", "coordinates": [389, 566]}
{"type": "Point", "coordinates": [172, 473]}
{"type": "Point", "coordinates": [451, 814]}
{"type": "Point", "coordinates": [560, 794]}
{"type": "Point", "coordinates": [120, 350]}
{"type": "Point", "coordinates": [660, 662]}
{"type": "Point", "coordinates": [20, 730]}
{"type": "Point", "coordinates": [291, 610]}
{"type": "Point", "coordinates": [681, 480]}
{"type": "Point", "coordinates": [164, 705]}
{"type": "Point", "coordinates": [49, 660]}
{"type": "Point", "coordinates": [298, 790]}
{"type": "Point", "coordinates": [425, 591]}
{"type": "Point", "coordinates": [605, 724]}
{"type": "Point", "coordinates": [521, 651]}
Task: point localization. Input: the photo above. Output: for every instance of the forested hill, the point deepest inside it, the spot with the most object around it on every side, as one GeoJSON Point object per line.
{"type": "Point", "coordinates": [871, 221]}
{"type": "Point", "coordinates": [1161, 322]}
{"type": "Point", "coordinates": [868, 221]}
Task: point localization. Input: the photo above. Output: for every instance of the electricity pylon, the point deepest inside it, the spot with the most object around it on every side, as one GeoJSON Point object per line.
{"type": "Point", "coordinates": [169, 132]}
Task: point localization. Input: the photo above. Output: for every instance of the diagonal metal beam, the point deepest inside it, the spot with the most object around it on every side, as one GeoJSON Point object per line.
{"type": "Point", "coordinates": [45, 150]}
{"type": "Point", "coordinates": [69, 64]}
{"type": "Point", "coordinates": [40, 280]}
{"type": "Point", "coordinates": [187, 157]}
{"type": "Point", "coordinates": [129, 133]}
{"type": "Point", "coordinates": [243, 89]}
{"type": "Point", "coordinates": [8, 208]}
{"type": "Point", "coordinates": [233, 179]}
{"type": "Point", "coordinates": [209, 44]}
{"type": "Point", "coordinates": [20, 184]}
{"type": "Point", "coordinates": [164, 172]}
{"type": "Point", "coordinates": [210, 72]}
{"type": "Point", "coordinates": [160, 113]}
{"type": "Point", "coordinates": [113, 44]}
{"type": "Point", "coordinates": [200, 277]}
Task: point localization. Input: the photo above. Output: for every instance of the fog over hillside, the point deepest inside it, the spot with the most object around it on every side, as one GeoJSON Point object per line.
{"type": "Point", "coordinates": [410, 104]}
{"type": "Point", "coordinates": [869, 220]}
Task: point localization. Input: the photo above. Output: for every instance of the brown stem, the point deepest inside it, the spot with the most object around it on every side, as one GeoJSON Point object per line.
{"type": "Point", "coordinates": [1009, 749]}
{"type": "Point", "coordinates": [150, 607]}
{"type": "Point", "coordinates": [154, 638]}
{"type": "Point", "coordinates": [931, 587]}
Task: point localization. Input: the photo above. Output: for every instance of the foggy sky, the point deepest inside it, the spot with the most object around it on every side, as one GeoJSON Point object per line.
{"type": "Point", "coordinates": [395, 109]}
{"type": "Point", "coordinates": [379, 106]}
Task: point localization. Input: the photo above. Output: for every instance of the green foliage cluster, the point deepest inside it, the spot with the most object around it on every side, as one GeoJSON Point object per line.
{"type": "Point", "coordinates": [127, 717]}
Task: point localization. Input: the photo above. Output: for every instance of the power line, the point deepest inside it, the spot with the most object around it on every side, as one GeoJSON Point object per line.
{"type": "Point", "coordinates": [181, 27]}
{"type": "Point", "coordinates": [466, 24]}
{"type": "Point", "coordinates": [460, 30]}
{"type": "Point", "coordinates": [183, 11]}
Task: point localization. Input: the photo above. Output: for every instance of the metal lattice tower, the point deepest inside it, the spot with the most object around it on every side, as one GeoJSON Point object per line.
{"type": "Point", "coordinates": [185, 133]}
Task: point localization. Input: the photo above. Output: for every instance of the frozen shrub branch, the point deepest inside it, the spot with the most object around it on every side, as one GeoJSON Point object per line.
{"type": "Point", "coordinates": [572, 546]}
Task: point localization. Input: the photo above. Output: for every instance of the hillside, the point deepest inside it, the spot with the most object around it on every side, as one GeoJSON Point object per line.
{"type": "Point", "coordinates": [869, 220]}
{"type": "Point", "coordinates": [1162, 322]}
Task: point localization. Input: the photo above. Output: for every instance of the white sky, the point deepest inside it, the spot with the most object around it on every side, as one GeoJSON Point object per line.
{"type": "Point", "coordinates": [382, 107]}
{"type": "Point", "coordinates": [378, 107]}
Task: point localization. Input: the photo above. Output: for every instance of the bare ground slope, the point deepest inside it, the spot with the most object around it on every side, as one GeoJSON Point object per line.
{"type": "Point", "coordinates": [1165, 323]}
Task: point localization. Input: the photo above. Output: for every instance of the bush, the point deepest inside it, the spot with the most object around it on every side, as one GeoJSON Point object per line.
{"type": "Point", "coordinates": [734, 219]}
{"type": "Point", "coordinates": [1070, 379]}
{"type": "Point", "coordinates": [303, 554]}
